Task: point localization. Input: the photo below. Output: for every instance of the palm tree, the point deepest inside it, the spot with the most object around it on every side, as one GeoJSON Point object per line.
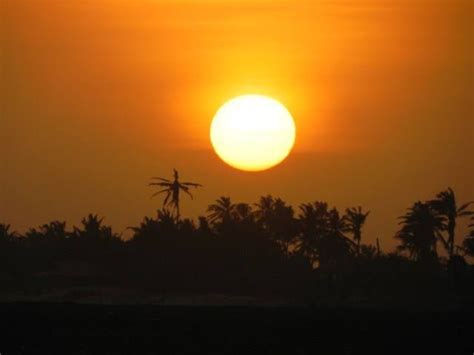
{"type": "Point", "coordinates": [5, 234]}
{"type": "Point", "coordinates": [421, 229]}
{"type": "Point", "coordinates": [242, 212]}
{"type": "Point", "coordinates": [334, 246]}
{"type": "Point", "coordinates": [468, 243]}
{"type": "Point", "coordinates": [283, 225]}
{"type": "Point", "coordinates": [172, 190]}
{"type": "Point", "coordinates": [322, 237]}
{"type": "Point", "coordinates": [445, 205]}
{"type": "Point", "coordinates": [47, 234]}
{"type": "Point", "coordinates": [277, 221]}
{"type": "Point", "coordinates": [148, 230]}
{"type": "Point", "coordinates": [264, 208]}
{"type": "Point", "coordinates": [313, 224]}
{"type": "Point", "coordinates": [164, 226]}
{"type": "Point", "coordinates": [221, 211]}
{"type": "Point", "coordinates": [94, 230]}
{"type": "Point", "coordinates": [55, 231]}
{"type": "Point", "coordinates": [355, 220]}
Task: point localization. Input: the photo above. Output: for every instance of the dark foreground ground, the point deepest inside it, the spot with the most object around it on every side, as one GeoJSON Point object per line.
{"type": "Point", "coordinates": [99, 329]}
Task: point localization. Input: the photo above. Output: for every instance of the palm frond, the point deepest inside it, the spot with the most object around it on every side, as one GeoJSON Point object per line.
{"type": "Point", "coordinates": [186, 190]}
{"type": "Point", "coordinates": [160, 184]}
{"type": "Point", "coordinates": [167, 198]}
{"type": "Point", "coordinates": [172, 189]}
{"type": "Point", "coordinates": [445, 243]}
{"type": "Point", "coordinates": [162, 179]}
{"type": "Point", "coordinates": [159, 192]}
{"type": "Point", "coordinates": [463, 207]}
{"type": "Point", "coordinates": [191, 184]}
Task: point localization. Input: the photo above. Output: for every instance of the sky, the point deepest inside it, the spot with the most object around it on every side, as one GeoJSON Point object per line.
{"type": "Point", "coordinates": [97, 96]}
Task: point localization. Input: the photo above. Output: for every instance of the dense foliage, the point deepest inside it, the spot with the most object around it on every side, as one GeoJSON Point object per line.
{"type": "Point", "coordinates": [315, 254]}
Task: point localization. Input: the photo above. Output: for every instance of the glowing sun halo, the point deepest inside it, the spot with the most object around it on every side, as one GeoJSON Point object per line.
{"type": "Point", "coordinates": [253, 132]}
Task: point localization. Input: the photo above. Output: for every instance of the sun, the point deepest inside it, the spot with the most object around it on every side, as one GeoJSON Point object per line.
{"type": "Point", "coordinates": [253, 132]}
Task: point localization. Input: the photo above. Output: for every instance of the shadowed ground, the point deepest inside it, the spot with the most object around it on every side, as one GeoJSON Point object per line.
{"type": "Point", "coordinates": [98, 329]}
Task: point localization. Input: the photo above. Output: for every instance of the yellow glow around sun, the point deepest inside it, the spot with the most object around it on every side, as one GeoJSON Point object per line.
{"type": "Point", "coordinates": [253, 132]}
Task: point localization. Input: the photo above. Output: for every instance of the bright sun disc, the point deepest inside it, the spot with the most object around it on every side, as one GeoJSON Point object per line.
{"type": "Point", "coordinates": [253, 132]}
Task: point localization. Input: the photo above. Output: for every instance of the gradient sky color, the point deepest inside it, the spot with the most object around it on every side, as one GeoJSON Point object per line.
{"type": "Point", "coordinates": [98, 95]}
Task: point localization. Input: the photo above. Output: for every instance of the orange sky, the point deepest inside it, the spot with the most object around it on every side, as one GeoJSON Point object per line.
{"type": "Point", "coordinates": [98, 95]}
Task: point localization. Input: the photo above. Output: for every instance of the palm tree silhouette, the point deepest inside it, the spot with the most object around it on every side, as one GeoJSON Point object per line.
{"type": "Point", "coordinates": [276, 218]}
{"type": "Point", "coordinates": [445, 205]}
{"type": "Point", "coordinates": [55, 231]}
{"type": "Point", "coordinates": [313, 224]}
{"type": "Point", "coordinates": [355, 220]}
{"type": "Point", "coordinates": [93, 230]}
{"type": "Point", "coordinates": [242, 212]}
{"type": "Point", "coordinates": [468, 243]}
{"type": "Point", "coordinates": [172, 190]}
{"type": "Point", "coordinates": [334, 245]}
{"type": "Point", "coordinates": [48, 233]}
{"type": "Point", "coordinates": [421, 229]}
{"type": "Point", "coordinates": [153, 229]}
{"type": "Point", "coordinates": [264, 208]}
{"type": "Point", "coordinates": [5, 234]}
{"type": "Point", "coordinates": [221, 211]}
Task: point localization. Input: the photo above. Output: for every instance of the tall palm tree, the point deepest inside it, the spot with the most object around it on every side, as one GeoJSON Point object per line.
{"type": "Point", "coordinates": [355, 220]}
{"type": "Point", "coordinates": [421, 229]}
{"type": "Point", "coordinates": [445, 205]}
{"type": "Point", "coordinates": [322, 237]}
{"type": "Point", "coordinates": [283, 225]}
{"type": "Point", "coordinates": [313, 225]}
{"type": "Point", "coordinates": [221, 211]}
{"type": "Point", "coordinates": [172, 190]}
{"type": "Point", "coordinates": [334, 246]}
{"type": "Point", "coordinates": [277, 221]}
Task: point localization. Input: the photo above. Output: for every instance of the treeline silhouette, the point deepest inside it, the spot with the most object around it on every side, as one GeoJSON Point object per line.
{"type": "Point", "coordinates": [315, 254]}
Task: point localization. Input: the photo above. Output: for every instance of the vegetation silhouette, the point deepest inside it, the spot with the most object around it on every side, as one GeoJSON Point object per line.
{"type": "Point", "coordinates": [221, 211]}
{"type": "Point", "coordinates": [445, 206]}
{"type": "Point", "coordinates": [420, 232]}
{"type": "Point", "coordinates": [264, 249]}
{"type": "Point", "coordinates": [469, 240]}
{"type": "Point", "coordinates": [172, 190]}
{"type": "Point", "coordinates": [355, 220]}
